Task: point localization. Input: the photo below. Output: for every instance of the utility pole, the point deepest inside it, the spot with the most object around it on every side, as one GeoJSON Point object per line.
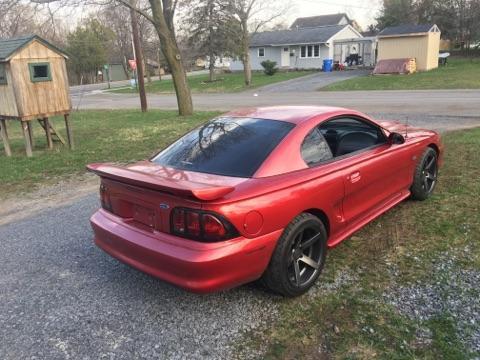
{"type": "Point", "coordinates": [138, 57]}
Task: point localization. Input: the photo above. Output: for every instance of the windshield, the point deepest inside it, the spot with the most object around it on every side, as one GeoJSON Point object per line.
{"type": "Point", "coordinates": [225, 146]}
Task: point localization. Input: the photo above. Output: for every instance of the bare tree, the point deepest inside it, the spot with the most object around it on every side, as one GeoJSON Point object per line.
{"type": "Point", "coordinates": [161, 14]}
{"type": "Point", "coordinates": [251, 16]}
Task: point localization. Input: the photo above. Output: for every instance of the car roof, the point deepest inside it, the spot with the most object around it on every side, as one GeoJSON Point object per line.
{"type": "Point", "coordinates": [292, 114]}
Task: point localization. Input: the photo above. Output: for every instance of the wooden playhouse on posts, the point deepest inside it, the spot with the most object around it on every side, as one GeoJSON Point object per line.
{"type": "Point", "coordinates": [33, 86]}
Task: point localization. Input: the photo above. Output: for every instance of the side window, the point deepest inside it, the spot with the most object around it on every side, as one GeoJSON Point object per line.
{"type": "Point", "coordinates": [261, 52]}
{"type": "Point", "coordinates": [315, 149]}
{"type": "Point", "coordinates": [40, 72]}
{"type": "Point", "coordinates": [347, 135]}
{"type": "Point", "coordinates": [3, 74]}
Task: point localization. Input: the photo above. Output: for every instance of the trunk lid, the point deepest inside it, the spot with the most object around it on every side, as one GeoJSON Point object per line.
{"type": "Point", "coordinates": [143, 194]}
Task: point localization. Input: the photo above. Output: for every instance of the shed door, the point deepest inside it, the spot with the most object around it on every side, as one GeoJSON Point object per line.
{"type": "Point", "coordinates": [285, 56]}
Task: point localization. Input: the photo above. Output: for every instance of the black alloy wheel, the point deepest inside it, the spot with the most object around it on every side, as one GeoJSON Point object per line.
{"type": "Point", "coordinates": [426, 173]}
{"type": "Point", "coordinates": [298, 258]}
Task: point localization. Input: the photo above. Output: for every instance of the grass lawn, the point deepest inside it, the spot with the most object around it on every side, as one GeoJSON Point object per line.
{"type": "Point", "coordinates": [402, 248]}
{"type": "Point", "coordinates": [124, 135]}
{"type": "Point", "coordinates": [458, 74]}
{"type": "Point", "coordinates": [231, 82]}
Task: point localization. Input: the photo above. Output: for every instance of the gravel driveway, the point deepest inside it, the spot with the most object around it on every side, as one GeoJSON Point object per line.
{"type": "Point", "coordinates": [61, 297]}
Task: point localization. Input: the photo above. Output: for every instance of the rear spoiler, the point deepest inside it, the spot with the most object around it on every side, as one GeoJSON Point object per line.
{"type": "Point", "coordinates": [183, 188]}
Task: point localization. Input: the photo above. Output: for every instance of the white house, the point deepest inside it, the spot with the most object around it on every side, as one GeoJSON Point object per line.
{"type": "Point", "coordinates": [300, 48]}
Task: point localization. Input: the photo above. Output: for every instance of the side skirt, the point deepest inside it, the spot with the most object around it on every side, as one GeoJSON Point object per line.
{"type": "Point", "coordinates": [371, 216]}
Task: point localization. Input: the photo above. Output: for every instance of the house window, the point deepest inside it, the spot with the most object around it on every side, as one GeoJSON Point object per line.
{"type": "Point", "coordinates": [261, 52]}
{"type": "Point", "coordinates": [40, 72]}
{"type": "Point", "coordinates": [303, 51]}
{"type": "Point", "coordinates": [3, 75]}
{"type": "Point", "coordinates": [310, 51]}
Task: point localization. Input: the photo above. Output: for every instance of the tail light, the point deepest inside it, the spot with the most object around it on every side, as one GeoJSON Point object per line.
{"type": "Point", "coordinates": [105, 198]}
{"type": "Point", "coordinates": [201, 225]}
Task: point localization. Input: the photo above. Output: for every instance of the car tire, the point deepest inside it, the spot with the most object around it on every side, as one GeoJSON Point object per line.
{"type": "Point", "coordinates": [298, 258]}
{"type": "Point", "coordinates": [425, 176]}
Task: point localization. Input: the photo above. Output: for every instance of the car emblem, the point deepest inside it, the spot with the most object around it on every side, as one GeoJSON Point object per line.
{"type": "Point", "coordinates": [164, 206]}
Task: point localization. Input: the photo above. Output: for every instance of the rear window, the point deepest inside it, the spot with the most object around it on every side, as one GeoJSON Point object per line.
{"type": "Point", "coordinates": [225, 146]}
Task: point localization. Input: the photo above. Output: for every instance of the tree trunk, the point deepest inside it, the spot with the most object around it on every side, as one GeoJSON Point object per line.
{"type": "Point", "coordinates": [247, 67]}
{"type": "Point", "coordinates": [164, 26]}
{"type": "Point", "coordinates": [139, 58]}
{"type": "Point", "coordinates": [179, 76]}
{"type": "Point", "coordinates": [211, 65]}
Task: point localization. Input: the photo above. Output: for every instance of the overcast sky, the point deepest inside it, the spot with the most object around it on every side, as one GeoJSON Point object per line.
{"type": "Point", "coordinates": [363, 11]}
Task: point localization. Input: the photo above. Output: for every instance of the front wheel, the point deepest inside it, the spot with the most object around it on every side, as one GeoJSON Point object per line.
{"type": "Point", "coordinates": [298, 258]}
{"type": "Point", "coordinates": [425, 177]}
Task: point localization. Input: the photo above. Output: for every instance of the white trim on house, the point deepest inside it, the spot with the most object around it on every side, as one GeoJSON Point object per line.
{"type": "Point", "coordinates": [263, 52]}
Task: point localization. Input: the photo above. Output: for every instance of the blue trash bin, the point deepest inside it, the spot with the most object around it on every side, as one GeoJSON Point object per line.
{"type": "Point", "coordinates": [328, 65]}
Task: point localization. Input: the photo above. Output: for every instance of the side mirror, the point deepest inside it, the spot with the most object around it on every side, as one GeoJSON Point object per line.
{"type": "Point", "coordinates": [395, 138]}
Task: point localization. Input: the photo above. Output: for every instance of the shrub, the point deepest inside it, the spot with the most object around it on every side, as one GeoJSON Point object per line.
{"type": "Point", "coordinates": [269, 67]}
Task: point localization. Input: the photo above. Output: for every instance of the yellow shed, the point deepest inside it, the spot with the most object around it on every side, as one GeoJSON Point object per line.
{"type": "Point", "coordinates": [421, 42]}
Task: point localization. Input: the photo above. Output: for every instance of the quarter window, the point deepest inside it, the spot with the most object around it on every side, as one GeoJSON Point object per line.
{"type": "Point", "coordinates": [315, 148]}
{"type": "Point", "coordinates": [3, 75]}
{"type": "Point", "coordinates": [261, 52]}
{"type": "Point", "coordinates": [40, 72]}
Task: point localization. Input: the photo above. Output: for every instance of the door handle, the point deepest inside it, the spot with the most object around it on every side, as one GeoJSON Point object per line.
{"type": "Point", "coordinates": [354, 177]}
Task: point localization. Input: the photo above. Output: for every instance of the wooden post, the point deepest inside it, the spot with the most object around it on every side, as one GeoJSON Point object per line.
{"type": "Point", "coordinates": [4, 135]}
{"type": "Point", "coordinates": [28, 144]}
{"type": "Point", "coordinates": [30, 133]}
{"type": "Point", "coordinates": [69, 132]}
{"type": "Point", "coordinates": [48, 133]}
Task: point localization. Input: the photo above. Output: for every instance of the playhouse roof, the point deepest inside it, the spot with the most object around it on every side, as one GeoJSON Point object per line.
{"type": "Point", "coordinates": [8, 47]}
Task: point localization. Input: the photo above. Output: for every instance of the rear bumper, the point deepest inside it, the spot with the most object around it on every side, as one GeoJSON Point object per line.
{"type": "Point", "coordinates": [198, 267]}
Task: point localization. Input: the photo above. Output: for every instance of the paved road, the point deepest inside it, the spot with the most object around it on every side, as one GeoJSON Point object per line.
{"type": "Point", "coordinates": [438, 102]}
{"type": "Point", "coordinates": [79, 90]}
{"type": "Point", "coordinates": [61, 297]}
{"type": "Point", "coordinates": [311, 82]}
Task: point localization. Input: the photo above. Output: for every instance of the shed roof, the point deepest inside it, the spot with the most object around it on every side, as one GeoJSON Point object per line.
{"type": "Point", "coordinates": [292, 37]}
{"type": "Point", "coordinates": [406, 29]}
{"type": "Point", "coordinates": [320, 20]}
{"type": "Point", "coordinates": [10, 46]}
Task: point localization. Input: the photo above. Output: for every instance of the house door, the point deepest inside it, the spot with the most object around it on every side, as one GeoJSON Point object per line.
{"type": "Point", "coordinates": [285, 57]}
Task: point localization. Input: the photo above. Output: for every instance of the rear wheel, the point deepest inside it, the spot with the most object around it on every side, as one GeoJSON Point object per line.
{"type": "Point", "coordinates": [425, 177]}
{"type": "Point", "coordinates": [298, 258]}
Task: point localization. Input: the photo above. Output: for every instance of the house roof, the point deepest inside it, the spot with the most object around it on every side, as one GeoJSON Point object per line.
{"type": "Point", "coordinates": [316, 21]}
{"type": "Point", "coordinates": [10, 46]}
{"type": "Point", "coordinates": [406, 29]}
{"type": "Point", "coordinates": [292, 37]}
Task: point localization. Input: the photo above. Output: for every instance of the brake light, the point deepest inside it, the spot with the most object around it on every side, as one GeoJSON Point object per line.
{"type": "Point", "coordinates": [212, 227]}
{"type": "Point", "coordinates": [201, 225]}
{"type": "Point", "coordinates": [105, 198]}
{"type": "Point", "coordinates": [193, 223]}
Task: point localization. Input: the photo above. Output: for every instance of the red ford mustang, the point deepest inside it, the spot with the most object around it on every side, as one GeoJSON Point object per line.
{"type": "Point", "coordinates": [260, 194]}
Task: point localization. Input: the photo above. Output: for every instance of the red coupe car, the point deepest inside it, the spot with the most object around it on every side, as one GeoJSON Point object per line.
{"type": "Point", "coordinates": [260, 194]}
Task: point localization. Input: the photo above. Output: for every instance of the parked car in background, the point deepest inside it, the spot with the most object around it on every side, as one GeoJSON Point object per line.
{"type": "Point", "coordinates": [260, 194]}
